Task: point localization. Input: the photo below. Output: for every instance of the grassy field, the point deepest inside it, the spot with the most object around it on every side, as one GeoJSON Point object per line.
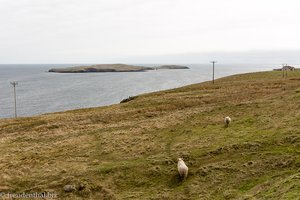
{"type": "Point", "coordinates": [130, 150]}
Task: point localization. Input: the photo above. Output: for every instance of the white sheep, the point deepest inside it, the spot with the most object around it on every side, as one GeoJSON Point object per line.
{"type": "Point", "coordinates": [182, 169]}
{"type": "Point", "coordinates": [227, 121]}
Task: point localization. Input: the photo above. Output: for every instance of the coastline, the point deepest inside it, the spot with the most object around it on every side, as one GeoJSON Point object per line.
{"type": "Point", "coordinates": [95, 89]}
{"type": "Point", "coordinates": [116, 103]}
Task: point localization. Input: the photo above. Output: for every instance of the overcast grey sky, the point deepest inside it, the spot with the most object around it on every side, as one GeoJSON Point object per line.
{"type": "Point", "coordinates": [110, 31]}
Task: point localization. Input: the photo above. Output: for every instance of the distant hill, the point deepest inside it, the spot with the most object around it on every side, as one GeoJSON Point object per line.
{"type": "Point", "coordinates": [102, 68]}
{"type": "Point", "coordinates": [172, 67]}
{"type": "Point", "coordinates": [112, 68]}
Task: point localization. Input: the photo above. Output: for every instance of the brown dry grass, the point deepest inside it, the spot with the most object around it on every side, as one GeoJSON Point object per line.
{"type": "Point", "coordinates": [129, 151]}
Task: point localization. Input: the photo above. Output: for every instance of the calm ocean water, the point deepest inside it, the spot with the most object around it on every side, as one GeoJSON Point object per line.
{"type": "Point", "coordinates": [41, 92]}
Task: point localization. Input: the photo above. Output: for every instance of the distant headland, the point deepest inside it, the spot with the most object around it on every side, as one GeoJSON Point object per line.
{"type": "Point", "coordinates": [113, 68]}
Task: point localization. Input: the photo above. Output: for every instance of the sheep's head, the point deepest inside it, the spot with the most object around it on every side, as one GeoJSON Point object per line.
{"type": "Point", "coordinates": [180, 159]}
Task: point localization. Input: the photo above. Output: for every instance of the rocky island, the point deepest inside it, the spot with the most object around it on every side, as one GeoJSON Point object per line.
{"type": "Point", "coordinates": [101, 68]}
{"type": "Point", "coordinates": [172, 67]}
{"type": "Point", "coordinates": [112, 68]}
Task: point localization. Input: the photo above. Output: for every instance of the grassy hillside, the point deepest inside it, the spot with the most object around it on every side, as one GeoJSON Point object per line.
{"type": "Point", "coordinates": [129, 151]}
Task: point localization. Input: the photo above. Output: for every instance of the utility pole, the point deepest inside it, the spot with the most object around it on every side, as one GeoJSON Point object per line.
{"type": "Point", "coordinates": [213, 62]}
{"type": "Point", "coordinates": [14, 84]}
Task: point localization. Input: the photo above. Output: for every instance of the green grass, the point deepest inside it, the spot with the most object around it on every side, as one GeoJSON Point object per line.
{"type": "Point", "coordinates": [130, 150]}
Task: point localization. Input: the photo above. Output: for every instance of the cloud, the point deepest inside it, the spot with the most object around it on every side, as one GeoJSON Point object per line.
{"type": "Point", "coordinates": [66, 30]}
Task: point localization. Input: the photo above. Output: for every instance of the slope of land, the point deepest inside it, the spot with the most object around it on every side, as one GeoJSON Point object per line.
{"type": "Point", "coordinates": [101, 68]}
{"type": "Point", "coordinates": [129, 150]}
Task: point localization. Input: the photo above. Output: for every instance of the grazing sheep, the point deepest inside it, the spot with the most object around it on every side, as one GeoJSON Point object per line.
{"type": "Point", "coordinates": [227, 121]}
{"type": "Point", "coordinates": [182, 169]}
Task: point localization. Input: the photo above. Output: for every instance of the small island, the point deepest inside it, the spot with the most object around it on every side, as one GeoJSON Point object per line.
{"type": "Point", "coordinates": [101, 68]}
{"type": "Point", "coordinates": [112, 68]}
{"type": "Point", "coordinates": [172, 67]}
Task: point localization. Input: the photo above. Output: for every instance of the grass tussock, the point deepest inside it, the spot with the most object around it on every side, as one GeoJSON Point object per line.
{"type": "Point", "coordinates": [129, 151]}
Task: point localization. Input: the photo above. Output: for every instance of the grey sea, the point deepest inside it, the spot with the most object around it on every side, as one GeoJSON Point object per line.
{"type": "Point", "coordinates": [39, 91]}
